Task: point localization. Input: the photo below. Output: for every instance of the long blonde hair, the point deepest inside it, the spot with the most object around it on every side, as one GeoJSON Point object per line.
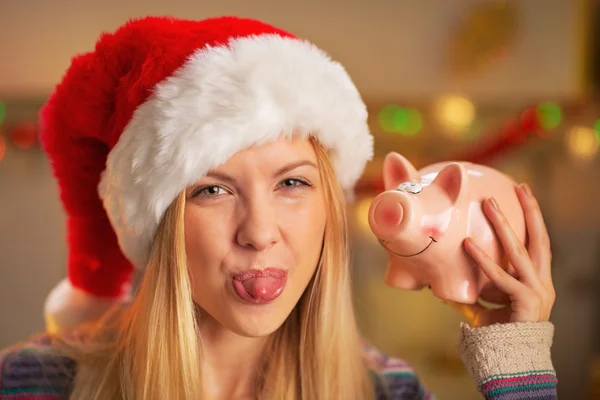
{"type": "Point", "coordinates": [152, 349]}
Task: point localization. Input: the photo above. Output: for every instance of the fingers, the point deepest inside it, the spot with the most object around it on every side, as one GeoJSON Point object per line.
{"type": "Point", "coordinates": [496, 274]}
{"type": "Point", "coordinates": [532, 295]}
{"type": "Point", "coordinates": [539, 241]}
{"type": "Point", "coordinates": [515, 250]}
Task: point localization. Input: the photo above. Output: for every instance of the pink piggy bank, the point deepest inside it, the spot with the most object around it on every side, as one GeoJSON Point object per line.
{"type": "Point", "coordinates": [424, 216]}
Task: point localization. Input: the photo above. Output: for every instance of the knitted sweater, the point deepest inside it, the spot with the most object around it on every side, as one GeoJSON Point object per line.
{"type": "Point", "coordinates": [507, 361]}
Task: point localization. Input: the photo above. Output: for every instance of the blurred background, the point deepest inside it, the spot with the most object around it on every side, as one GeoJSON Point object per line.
{"type": "Point", "coordinates": [512, 84]}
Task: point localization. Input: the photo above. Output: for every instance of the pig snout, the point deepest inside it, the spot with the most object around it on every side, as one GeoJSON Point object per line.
{"type": "Point", "coordinates": [388, 216]}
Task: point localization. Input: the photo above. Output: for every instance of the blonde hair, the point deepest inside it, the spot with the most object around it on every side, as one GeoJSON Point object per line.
{"type": "Point", "coordinates": [152, 350]}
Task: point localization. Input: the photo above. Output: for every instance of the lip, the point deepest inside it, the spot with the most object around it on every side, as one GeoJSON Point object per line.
{"type": "Point", "coordinates": [240, 277]}
{"type": "Point", "coordinates": [258, 273]}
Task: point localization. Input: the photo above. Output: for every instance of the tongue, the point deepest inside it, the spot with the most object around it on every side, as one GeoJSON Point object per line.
{"type": "Point", "coordinates": [262, 288]}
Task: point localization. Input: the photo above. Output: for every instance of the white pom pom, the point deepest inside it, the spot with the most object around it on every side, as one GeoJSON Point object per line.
{"type": "Point", "coordinates": [67, 306]}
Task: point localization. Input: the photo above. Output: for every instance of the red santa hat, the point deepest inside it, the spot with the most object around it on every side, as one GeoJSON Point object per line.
{"type": "Point", "coordinates": [155, 106]}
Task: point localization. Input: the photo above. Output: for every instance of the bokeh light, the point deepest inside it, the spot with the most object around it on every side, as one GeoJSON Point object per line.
{"type": "Point", "coordinates": [597, 128]}
{"type": "Point", "coordinates": [549, 115]}
{"type": "Point", "coordinates": [475, 130]}
{"type": "Point", "coordinates": [582, 142]}
{"type": "Point", "coordinates": [402, 120]}
{"type": "Point", "coordinates": [2, 147]}
{"type": "Point", "coordinates": [2, 112]}
{"type": "Point", "coordinates": [24, 135]}
{"type": "Point", "coordinates": [362, 214]}
{"type": "Point", "coordinates": [530, 121]}
{"type": "Point", "coordinates": [455, 114]}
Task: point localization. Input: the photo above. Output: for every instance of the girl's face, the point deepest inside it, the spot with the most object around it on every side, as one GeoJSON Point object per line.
{"type": "Point", "coordinates": [254, 229]}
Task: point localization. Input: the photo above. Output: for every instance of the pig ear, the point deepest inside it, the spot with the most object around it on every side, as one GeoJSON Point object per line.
{"type": "Point", "coordinates": [452, 179]}
{"type": "Point", "coordinates": [397, 170]}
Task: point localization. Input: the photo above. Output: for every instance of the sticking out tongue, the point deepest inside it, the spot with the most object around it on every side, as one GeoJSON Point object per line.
{"type": "Point", "coordinates": [260, 289]}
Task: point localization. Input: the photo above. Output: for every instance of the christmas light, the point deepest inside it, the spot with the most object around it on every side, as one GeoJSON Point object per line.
{"type": "Point", "coordinates": [2, 112]}
{"type": "Point", "coordinates": [530, 120]}
{"type": "Point", "coordinates": [2, 148]}
{"type": "Point", "coordinates": [582, 142]}
{"type": "Point", "coordinates": [549, 115]}
{"type": "Point", "coordinates": [455, 114]}
{"type": "Point", "coordinates": [396, 119]}
{"type": "Point", "coordinates": [24, 135]}
{"type": "Point", "coordinates": [414, 122]}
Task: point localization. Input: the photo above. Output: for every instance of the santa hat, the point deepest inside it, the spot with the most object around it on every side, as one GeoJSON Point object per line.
{"type": "Point", "coordinates": [158, 104]}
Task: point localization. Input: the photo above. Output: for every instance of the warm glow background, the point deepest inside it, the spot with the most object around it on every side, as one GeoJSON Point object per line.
{"type": "Point", "coordinates": [440, 78]}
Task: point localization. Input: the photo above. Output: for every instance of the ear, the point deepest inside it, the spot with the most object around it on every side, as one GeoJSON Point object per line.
{"type": "Point", "coordinates": [452, 179]}
{"type": "Point", "coordinates": [397, 170]}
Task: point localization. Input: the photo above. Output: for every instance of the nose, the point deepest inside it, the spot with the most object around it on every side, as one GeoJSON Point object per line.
{"type": "Point", "coordinates": [388, 212]}
{"type": "Point", "coordinates": [259, 228]}
{"type": "Point", "coordinates": [386, 216]}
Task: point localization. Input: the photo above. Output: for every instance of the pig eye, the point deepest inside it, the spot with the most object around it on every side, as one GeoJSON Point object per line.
{"type": "Point", "coordinates": [410, 187]}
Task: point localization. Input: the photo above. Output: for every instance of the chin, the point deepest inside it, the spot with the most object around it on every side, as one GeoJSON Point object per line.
{"type": "Point", "coordinates": [249, 320]}
{"type": "Point", "coordinates": [254, 331]}
{"type": "Point", "coordinates": [249, 324]}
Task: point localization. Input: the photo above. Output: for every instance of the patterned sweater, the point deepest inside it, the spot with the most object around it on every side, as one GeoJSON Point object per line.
{"type": "Point", "coordinates": [507, 361]}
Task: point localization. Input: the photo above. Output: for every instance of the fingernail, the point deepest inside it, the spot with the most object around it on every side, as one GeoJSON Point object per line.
{"type": "Point", "coordinates": [526, 189]}
{"type": "Point", "coordinates": [494, 203]}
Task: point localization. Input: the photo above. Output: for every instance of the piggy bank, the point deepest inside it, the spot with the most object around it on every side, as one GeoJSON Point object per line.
{"type": "Point", "coordinates": [423, 217]}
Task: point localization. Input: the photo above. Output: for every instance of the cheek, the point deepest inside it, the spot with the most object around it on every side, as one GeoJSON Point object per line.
{"type": "Point", "coordinates": [304, 227]}
{"type": "Point", "coordinates": [205, 241]}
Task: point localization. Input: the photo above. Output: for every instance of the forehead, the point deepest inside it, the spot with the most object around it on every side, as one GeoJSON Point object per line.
{"type": "Point", "coordinates": [275, 153]}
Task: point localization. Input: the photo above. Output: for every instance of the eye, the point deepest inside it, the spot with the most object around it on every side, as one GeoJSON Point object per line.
{"type": "Point", "coordinates": [210, 191]}
{"type": "Point", "coordinates": [292, 183]}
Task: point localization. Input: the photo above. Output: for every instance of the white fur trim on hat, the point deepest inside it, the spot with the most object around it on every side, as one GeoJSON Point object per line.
{"type": "Point", "coordinates": [222, 100]}
{"type": "Point", "coordinates": [67, 306]}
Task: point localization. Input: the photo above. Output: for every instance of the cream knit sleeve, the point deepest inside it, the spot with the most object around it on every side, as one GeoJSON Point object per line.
{"type": "Point", "coordinates": [510, 360]}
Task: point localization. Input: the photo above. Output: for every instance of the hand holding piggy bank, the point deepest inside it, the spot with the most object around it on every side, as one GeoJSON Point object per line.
{"type": "Point", "coordinates": [424, 216]}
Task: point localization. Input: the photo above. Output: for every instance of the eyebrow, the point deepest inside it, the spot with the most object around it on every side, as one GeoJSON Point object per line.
{"type": "Point", "coordinates": [280, 171]}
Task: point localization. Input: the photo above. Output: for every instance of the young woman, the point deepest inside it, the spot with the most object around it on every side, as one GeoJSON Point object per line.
{"type": "Point", "coordinates": [214, 156]}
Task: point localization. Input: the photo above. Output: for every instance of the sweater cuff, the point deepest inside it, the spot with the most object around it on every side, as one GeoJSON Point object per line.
{"type": "Point", "coordinates": [507, 350]}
